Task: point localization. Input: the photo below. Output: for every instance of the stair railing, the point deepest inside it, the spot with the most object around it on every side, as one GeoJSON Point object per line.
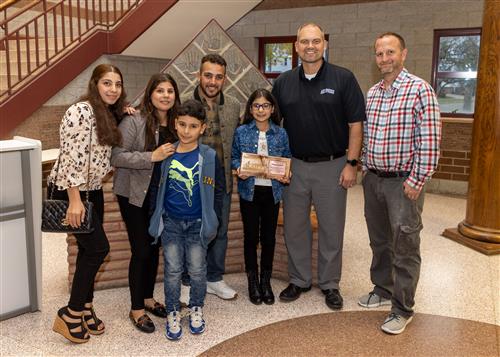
{"type": "Point", "coordinates": [56, 27]}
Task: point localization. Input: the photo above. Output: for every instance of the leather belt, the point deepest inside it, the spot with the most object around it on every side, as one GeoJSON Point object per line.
{"type": "Point", "coordinates": [387, 174]}
{"type": "Point", "coordinates": [319, 158]}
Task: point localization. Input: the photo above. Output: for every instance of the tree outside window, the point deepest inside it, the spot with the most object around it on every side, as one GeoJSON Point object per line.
{"type": "Point", "coordinates": [455, 65]}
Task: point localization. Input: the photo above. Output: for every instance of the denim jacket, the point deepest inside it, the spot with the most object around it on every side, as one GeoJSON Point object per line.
{"type": "Point", "coordinates": [246, 139]}
{"type": "Point", "coordinates": [212, 187]}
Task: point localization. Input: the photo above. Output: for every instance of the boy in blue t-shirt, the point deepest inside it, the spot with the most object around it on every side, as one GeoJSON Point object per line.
{"type": "Point", "coordinates": [188, 204]}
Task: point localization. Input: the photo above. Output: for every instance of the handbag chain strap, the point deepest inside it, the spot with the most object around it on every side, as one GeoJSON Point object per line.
{"type": "Point", "coordinates": [88, 166]}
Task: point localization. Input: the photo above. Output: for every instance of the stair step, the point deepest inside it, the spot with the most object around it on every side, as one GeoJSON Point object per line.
{"type": "Point", "coordinates": [14, 79]}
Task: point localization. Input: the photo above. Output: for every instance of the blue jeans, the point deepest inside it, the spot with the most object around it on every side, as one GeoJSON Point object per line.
{"type": "Point", "coordinates": [216, 256]}
{"type": "Point", "coordinates": [182, 246]}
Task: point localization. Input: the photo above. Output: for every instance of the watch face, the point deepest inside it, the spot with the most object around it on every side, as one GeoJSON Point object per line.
{"type": "Point", "coordinates": [353, 162]}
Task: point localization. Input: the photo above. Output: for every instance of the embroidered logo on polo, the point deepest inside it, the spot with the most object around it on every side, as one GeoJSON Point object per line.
{"type": "Point", "coordinates": [182, 179]}
{"type": "Point", "coordinates": [327, 91]}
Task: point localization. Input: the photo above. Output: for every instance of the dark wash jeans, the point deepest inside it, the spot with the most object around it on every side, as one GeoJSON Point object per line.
{"type": "Point", "coordinates": [394, 223]}
{"type": "Point", "coordinates": [92, 249]}
{"type": "Point", "coordinates": [182, 247]}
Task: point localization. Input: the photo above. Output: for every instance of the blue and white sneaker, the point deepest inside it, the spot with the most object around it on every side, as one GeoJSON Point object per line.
{"type": "Point", "coordinates": [196, 321]}
{"type": "Point", "coordinates": [174, 328]}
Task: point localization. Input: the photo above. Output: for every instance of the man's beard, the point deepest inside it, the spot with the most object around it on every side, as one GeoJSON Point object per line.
{"type": "Point", "coordinates": [207, 95]}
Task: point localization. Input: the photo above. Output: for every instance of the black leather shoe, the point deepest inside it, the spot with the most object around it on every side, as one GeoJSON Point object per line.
{"type": "Point", "coordinates": [292, 292]}
{"type": "Point", "coordinates": [157, 310]}
{"type": "Point", "coordinates": [144, 323]}
{"type": "Point", "coordinates": [265, 287]}
{"type": "Point", "coordinates": [254, 293]}
{"type": "Point", "coordinates": [333, 299]}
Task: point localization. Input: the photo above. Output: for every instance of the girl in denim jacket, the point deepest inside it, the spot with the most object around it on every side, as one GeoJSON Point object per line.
{"type": "Point", "coordinates": [259, 197]}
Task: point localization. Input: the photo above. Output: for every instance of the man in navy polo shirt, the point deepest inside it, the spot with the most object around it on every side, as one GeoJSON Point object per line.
{"type": "Point", "coordinates": [323, 110]}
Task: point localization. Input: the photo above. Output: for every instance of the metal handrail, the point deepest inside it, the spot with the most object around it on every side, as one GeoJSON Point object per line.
{"type": "Point", "coordinates": [7, 3]}
{"type": "Point", "coordinates": [51, 33]}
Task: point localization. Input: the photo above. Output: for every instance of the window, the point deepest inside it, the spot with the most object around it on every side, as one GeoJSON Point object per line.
{"type": "Point", "coordinates": [454, 75]}
{"type": "Point", "coordinates": [277, 55]}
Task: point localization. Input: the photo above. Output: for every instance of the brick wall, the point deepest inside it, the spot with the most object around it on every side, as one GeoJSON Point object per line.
{"type": "Point", "coordinates": [353, 29]}
{"type": "Point", "coordinates": [454, 163]}
{"type": "Point", "coordinates": [43, 125]}
{"type": "Point", "coordinates": [114, 271]}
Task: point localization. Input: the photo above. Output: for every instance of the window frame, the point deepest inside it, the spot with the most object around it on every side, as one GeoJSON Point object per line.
{"type": "Point", "coordinates": [438, 34]}
{"type": "Point", "coordinates": [263, 41]}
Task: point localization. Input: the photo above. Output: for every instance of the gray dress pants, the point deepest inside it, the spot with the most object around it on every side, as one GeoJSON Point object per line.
{"type": "Point", "coordinates": [394, 223]}
{"type": "Point", "coordinates": [315, 183]}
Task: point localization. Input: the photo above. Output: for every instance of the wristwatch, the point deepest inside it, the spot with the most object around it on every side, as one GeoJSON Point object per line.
{"type": "Point", "coordinates": [352, 162]}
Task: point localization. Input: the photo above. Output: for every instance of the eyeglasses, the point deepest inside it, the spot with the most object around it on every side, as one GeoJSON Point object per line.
{"type": "Point", "coordinates": [265, 106]}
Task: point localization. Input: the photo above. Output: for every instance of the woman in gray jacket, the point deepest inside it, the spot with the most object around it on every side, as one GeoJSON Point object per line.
{"type": "Point", "coordinates": [147, 138]}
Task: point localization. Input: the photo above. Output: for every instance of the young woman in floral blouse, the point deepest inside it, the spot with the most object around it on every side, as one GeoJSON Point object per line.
{"type": "Point", "coordinates": [88, 127]}
{"type": "Point", "coordinates": [147, 138]}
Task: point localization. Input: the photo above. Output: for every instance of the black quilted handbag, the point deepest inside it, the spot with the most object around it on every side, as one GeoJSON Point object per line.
{"type": "Point", "coordinates": [54, 217]}
{"type": "Point", "coordinates": [54, 211]}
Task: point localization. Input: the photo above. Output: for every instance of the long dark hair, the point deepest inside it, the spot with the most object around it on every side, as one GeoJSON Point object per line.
{"type": "Point", "coordinates": [149, 113]}
{"type": "Point", "coordinates": [258, 93]}
{"type": "Point", "coordinates": [107, 117]}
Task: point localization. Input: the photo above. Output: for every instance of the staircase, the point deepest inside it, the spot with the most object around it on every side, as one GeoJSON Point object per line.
{"type": "Point", "coordinates": [45, 44]}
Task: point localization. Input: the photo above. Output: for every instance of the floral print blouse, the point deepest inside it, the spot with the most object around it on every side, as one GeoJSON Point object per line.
{"type": "Point", "coordinates": [73, 157]}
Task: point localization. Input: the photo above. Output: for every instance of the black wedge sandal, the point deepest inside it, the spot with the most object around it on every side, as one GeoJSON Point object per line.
{"type": "Point", "coordinates": [94, 326]}
{"type": "Point", "coordinates": [67, 329]}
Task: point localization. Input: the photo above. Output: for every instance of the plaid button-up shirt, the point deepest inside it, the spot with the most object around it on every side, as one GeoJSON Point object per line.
{"type": "Point", "coordinates": [403, 128]}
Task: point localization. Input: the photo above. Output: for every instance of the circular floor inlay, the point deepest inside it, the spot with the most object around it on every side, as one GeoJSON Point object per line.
{"type": "Point", "coordinates": [358, 333]}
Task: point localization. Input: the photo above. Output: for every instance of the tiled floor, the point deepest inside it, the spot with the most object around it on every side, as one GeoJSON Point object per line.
{"type": "Point", "coordinates": [455, 282]}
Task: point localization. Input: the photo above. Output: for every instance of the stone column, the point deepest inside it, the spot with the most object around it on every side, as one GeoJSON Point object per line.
{"type": "Point", "coordinates": [480, 229]}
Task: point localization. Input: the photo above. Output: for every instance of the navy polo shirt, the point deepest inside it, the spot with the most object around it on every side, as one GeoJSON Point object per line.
{"type": "Point", "coordinates": [316, 112]}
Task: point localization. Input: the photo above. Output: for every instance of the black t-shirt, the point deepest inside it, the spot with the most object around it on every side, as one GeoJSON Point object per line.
{"type": "Point", "coordinates": [317, 112]}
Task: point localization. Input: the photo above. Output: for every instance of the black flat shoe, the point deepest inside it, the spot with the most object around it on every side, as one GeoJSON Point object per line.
{"type": "Point", "coordinates": [292, 292]}
{"type": "Point", "coordinates": [144, 323]}
{"type": "Point", "coordinates": [157, 310]}
{"type": "Point", "coordinates": [333, 299]}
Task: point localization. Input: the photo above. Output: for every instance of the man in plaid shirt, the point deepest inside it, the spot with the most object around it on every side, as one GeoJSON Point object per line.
{"type": "Point", "coordinates": [402, 134]}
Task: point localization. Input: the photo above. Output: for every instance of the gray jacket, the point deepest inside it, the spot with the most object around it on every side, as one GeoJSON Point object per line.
{"type": "Point", "coordinates": [133, 166]}
{"type": "Point", "coordinates": [229, 117]}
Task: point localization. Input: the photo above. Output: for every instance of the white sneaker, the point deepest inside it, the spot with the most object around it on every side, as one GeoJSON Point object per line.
{"type": "Point", "coordinates": [173, 329]}
{"type": "Point", "coordinates": [196, 321]}
{"type": "Point", "coordinates": [372, 300]}
{"type": "Point", "coordinates": [184, 298]}
{"type": "Point", "coordinates": [221, 289]}
{"type": "Point", "coordinates": [394, 324]}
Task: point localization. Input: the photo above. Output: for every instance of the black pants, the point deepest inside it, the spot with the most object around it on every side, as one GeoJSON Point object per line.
{"type": "Point", "coordinates": [92, 249]}
{"type": "Point", "coordinates": [144, 261]}
{"type": "Point", "coordinates": [260, 218]}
